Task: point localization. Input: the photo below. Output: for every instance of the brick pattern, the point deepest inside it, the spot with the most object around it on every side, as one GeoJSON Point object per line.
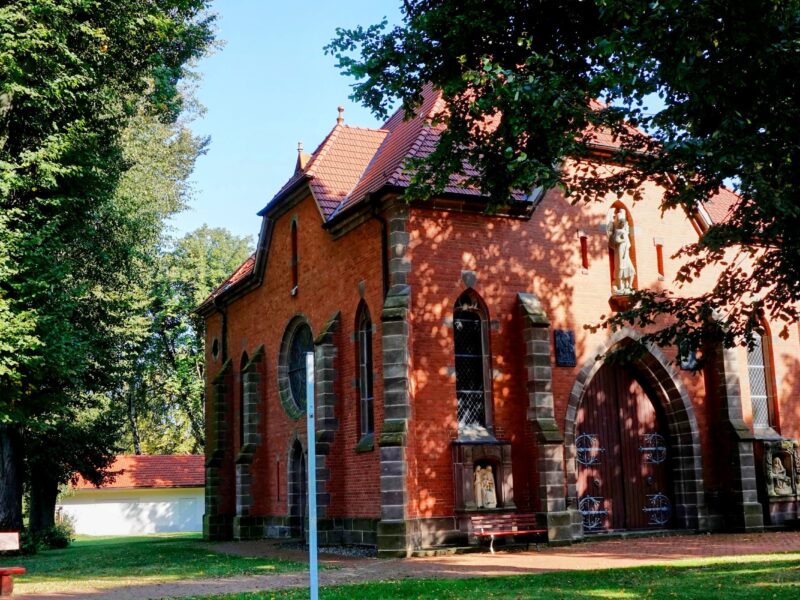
{"type": "Point", "coordinates": [689, 510]}
{"type": "Point", "coordinates": [553, 512]}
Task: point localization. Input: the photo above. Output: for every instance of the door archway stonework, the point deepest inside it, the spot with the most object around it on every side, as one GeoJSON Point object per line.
{"type": "Point", "coordinates": [689, 511]}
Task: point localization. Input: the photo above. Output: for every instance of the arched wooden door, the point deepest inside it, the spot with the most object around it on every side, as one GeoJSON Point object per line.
{"type": "Point", "coordinates": [622, 455]}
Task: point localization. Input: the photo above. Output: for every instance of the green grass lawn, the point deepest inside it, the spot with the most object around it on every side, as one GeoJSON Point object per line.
{"type": "Point", "coordinates": [738, 578]}
{"type": "Point", "coordinates": [108, 562]}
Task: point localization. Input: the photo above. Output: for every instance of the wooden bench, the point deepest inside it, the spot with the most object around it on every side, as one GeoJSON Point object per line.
{"type": "Point", "coordinates": [9, 540]}
{"type": "Point", "coordinates": [504, 525]}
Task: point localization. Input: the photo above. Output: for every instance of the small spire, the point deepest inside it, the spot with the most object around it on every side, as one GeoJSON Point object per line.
{"type": "Point", "coordinates": [340, 118]}
{"type": "Point", "coordinates": [302, 158]}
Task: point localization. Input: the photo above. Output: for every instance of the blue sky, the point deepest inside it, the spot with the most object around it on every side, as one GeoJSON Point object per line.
{"type": "Point", "coordinates": [269, 87]}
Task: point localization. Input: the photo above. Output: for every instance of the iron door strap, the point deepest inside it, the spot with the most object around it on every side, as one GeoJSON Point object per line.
{"type": "Point", "coordinates": [588, 449]}
{"type": "Point", "coordinates": [591, 508]}
{"type": "Point", "coordinates": [659, 509]}
{"type": "Point", "coordinates": [653, 448]}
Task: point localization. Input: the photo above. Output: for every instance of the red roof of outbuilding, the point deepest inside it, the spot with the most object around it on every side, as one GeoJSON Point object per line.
{"type": "Point", "coordinates": [155, 471]}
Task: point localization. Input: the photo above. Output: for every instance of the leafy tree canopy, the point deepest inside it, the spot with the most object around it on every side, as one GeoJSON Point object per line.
{"type": "Point", "coordinates": [727, 111]}
{"type": "Point", "coordinates": [85, 86]}
{"type": "Point", "coordinates": [163, 386]}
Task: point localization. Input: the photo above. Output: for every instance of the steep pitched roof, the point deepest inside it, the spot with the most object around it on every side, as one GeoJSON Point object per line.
{"type": "Point", "coordinates": [721, 204]}
{"type": "Point", "coordinates": [242, 271]}
{"type": "Point", "coordinates": [156, 471]}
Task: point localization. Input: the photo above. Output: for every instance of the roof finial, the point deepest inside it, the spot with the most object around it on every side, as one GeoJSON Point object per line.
{"type": "Point", "coordinates": [302, 158]}
{"type": "Point", "coordinates": [340, 118]}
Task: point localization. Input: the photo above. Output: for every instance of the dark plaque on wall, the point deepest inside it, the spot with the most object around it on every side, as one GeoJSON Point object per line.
{"type": "Point", "coordinates": [565, 348]}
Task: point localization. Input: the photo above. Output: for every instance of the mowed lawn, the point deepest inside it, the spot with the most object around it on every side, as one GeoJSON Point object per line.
{"type": "Point", "coordinates": [109, 562]}
{"type": "Point", "coordinates": [753, 577]}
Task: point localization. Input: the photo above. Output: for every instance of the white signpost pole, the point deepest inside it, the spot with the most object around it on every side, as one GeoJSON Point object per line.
{"type": "Point", "coordinates": [312, 479]}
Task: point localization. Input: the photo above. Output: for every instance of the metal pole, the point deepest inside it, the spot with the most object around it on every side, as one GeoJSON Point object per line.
{"type": "Point", "coordinates": [312, 479]}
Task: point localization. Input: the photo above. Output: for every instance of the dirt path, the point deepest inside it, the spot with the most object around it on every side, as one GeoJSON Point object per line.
{"type": "Point", "coordinates": [596, 554]}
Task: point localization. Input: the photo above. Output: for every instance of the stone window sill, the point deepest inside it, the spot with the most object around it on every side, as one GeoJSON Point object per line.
{"type": "Point", "coordinates": [366, 443]}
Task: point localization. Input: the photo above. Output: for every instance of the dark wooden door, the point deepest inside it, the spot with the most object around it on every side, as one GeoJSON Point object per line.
{"type": "Point", "coordinates": [621, 454]}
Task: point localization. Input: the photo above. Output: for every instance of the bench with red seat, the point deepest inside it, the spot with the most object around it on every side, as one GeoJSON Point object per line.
{"type": "Point", "coordinates": [505, 525]}
{"type": "Point", "coordinates": [9, 540]}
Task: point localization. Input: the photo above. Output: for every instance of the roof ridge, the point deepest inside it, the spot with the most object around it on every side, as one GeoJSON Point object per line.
{"type": "Point", "coordinates": [365, 128]}
{"type": "Point", "coordinates": [411, 153]}
{"type": "Point", "coordinates": [322, 149]}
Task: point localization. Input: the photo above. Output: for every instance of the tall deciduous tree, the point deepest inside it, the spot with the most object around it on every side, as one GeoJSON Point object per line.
{"type": "Point", "coordinates": [74, 74]}
{"type": "Point", "coordinates": [727, 111]}
{"type": "Point", "coordinates": [164, 391]}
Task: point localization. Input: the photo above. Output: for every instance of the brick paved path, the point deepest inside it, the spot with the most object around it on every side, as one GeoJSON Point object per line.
{"type": "Point", "coordinates": [595, 554]}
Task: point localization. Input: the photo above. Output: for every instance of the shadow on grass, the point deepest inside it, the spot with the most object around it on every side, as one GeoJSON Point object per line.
{"type": "Point", "coordinates": [733, 579]}
{"type": "Point", "coordinates": [108, 560]}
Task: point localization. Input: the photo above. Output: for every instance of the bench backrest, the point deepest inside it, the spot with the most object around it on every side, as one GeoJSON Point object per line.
{"type": "Point", "coordinates": [504, 522]}
{"type": "Point", "coordinates": [9, 540]}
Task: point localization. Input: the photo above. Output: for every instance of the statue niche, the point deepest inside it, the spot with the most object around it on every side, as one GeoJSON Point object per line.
{"type": "Point", "coordinates": [485, 488]}
{"type": "Point", "coordinates": [618, 229]}
{"type": "Point", "coordinates": [782, 471]}
{"type": "Point", "coordinates": [482, 476]}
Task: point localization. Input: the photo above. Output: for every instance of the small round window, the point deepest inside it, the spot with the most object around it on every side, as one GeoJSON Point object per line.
{"type": "Point", "coordinates": [297, 341]}
{"type": "Point", "coordinates": [215, 349]}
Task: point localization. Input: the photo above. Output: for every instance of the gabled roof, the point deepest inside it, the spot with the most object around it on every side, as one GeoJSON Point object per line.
{"type": "Point", "coordinates": [353, 162]}
{"type": "Point", "coordinates": [155, 471]}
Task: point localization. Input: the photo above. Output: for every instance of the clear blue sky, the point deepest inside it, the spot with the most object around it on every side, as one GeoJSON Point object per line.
{"type": "Point", "coordinates": [269, 87]}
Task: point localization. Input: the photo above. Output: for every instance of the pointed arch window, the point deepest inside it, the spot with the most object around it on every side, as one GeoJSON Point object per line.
{"type": "Point", "coordinates": [366, 410]}
{"type": "Point", "coordinates": [242, 365]}
{"type": "Point", "coordinates": [761, 390]}
{"type": "Point", "coordinates": [473, 364]}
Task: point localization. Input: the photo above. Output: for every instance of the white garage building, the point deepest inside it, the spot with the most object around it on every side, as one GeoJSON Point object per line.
{"type": "Point", "coordinates": [151, 494]}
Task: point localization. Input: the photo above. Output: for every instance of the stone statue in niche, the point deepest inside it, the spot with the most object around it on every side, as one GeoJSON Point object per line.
{"type": "Point", "coordinates": [781, 481]}
{"type": "Point", "coordinates": [485, 492]}
{"type": "Point", "coordinates": [619, 236]}
{"type": "Point", "coordinates": [782, 467]}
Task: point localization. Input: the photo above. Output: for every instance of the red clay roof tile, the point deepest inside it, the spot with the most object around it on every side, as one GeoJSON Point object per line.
{"type": "Point", "coordinates": [155, 471]}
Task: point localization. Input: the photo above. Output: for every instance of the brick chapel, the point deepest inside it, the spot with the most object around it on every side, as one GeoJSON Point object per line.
{"type": "Point", "coordinates": [454, 375]}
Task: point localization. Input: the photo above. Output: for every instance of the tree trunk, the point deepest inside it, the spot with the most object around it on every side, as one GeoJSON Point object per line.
{"type": "Point", "coordinates": [137, 444]}
{"type": "Point", "coordinates": [10, 478]}
{"type": "Point", "coordinates": [44, 492]}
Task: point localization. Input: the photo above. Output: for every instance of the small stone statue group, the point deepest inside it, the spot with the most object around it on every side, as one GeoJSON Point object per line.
{"type": "Point", "coordinates": [485, 493]}
{"type": "Point", "coordinates": [781, 481]}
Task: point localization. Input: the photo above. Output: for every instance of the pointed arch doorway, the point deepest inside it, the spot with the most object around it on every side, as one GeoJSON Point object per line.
{"type": "Point", "coordinates": [622, 454]}
{"type": "Point", "coordinates": [298, 490]}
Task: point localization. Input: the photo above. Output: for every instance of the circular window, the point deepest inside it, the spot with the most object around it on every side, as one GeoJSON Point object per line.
{"type": "Point", "coordinates": [297, 342]}
{"type": "Point", "coordinates": [215, 349]}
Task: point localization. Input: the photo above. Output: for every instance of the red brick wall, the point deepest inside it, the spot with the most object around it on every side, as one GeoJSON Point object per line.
{"type": "Point", "coordinates": [540, 256]}
{"type": "Point", "coordinates": [329, 273]}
